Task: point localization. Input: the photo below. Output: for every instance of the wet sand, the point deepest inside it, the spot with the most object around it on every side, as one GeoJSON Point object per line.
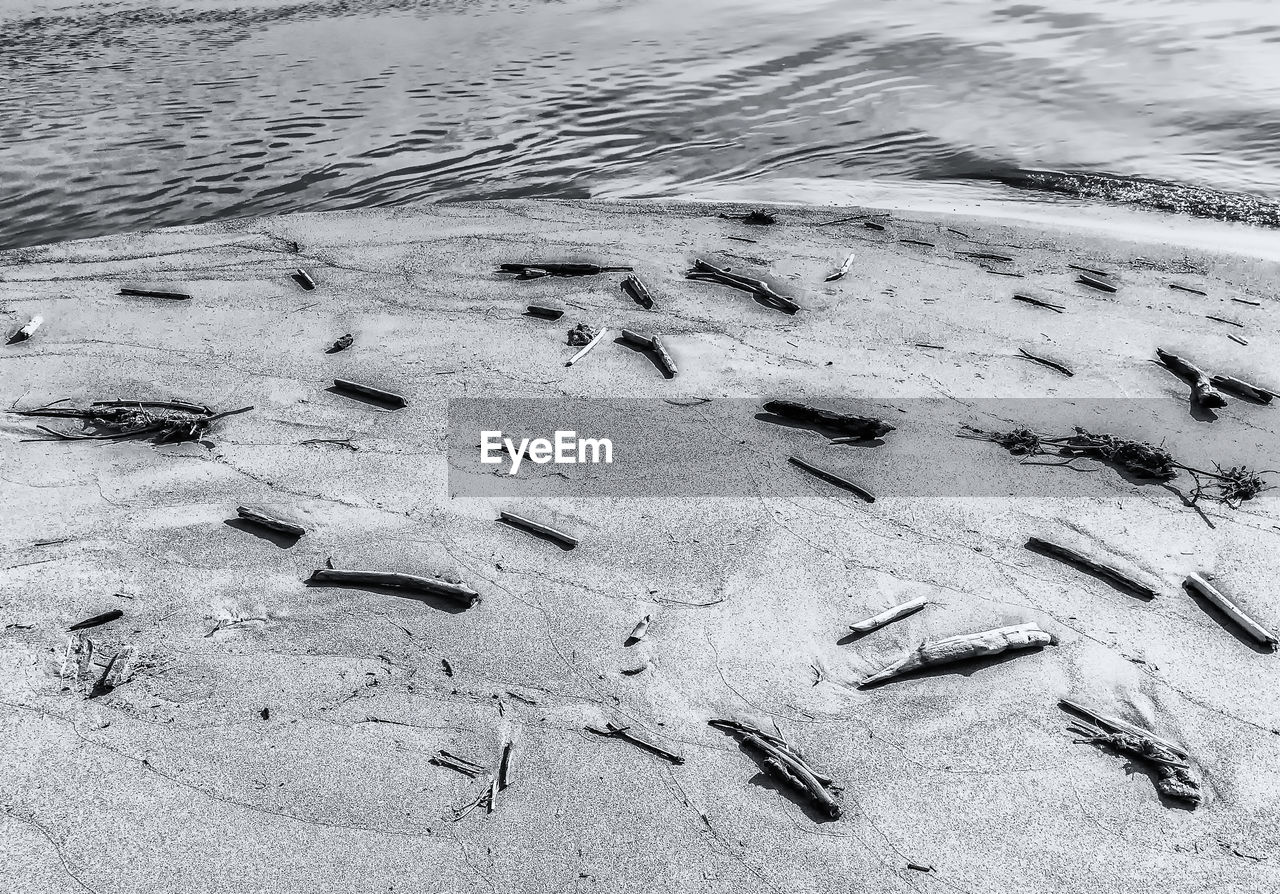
{"type": "Point", "coordinates": [269, 736]}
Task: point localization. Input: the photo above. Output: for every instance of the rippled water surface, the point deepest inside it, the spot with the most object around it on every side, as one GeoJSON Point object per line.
{"type": "Point", "coordinates": [119, 116]}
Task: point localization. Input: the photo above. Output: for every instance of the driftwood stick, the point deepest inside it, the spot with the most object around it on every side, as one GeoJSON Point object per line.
{"type": "Point", "coordinates": [664, 356]}
{"type": "Point", "coordinates": [396, 580]}
{"type": "Point", "coordinates": [889, 615]}
{"type": "Point", "coordinates": [155, 293]}
{"type": "Point", "coordinates": [864, 427]}
{"type": "Point", "coordinates": [1230, 609]}
{"type": "Point", "coordinates": [258, 517]}
{"type": "Point", "coordinates": [833, 478]}
{"type": "Point", "coordinates": [613, 731]}
{"type": "Point", "coordinates": [378, 394]}
{"type": "Point", "coordinates": [1101, 569]}
{"type": "Point", "coordinates": [28, 330]}
{"type": "Point", "coordinates": [1048, 305]}
{"type": "Point", "coordinates": [1201, 387]}
{"type": "Point", "coordinates": [1243, 388]}
{"type": "Point", "coordinates": [1108, 721]}
{"type": "Point", "coordinates": [529, 525]}
{"type": "Point", "coordinates": [1044, 361]}
{"type": "Point", "coordinates": [504, 765]}
{"type": "Point", "coordinates": [844, 269]}
{"type": "Point", "coordinates": [639, 632]}
{"type": "Point", "coordinates": [587, 347]}
{"type": "Point", "coordinates": [556, 269]}
{"type": "Point", "coordinates": [547, 313]}
{"type": "Point", "coordinates": [961, 648]}
{"type": "Point", "coordinates": [302, 278]}
{"type": "Point", "coordinates": [639, 339]}
{"type": "Point", "coordinates": [97, 620]}
{"type": "Point", "coordinates": [800, 772]}
{"type": "Point", "coordinates": [724, 276]}
{"type": "Point", "coordinates": [1094, 282]}
{"type": "Point", "coordinates": [636, 289]}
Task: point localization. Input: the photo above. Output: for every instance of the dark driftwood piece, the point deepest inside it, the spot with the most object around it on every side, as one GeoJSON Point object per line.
{"type": "Point", "coordinates": [833, 478]}
{"type": "Point", "coordinates": [1182, 288]}
{"type": "Point", "coordinates": [258, 517]}
{"type": "Point", "coordinates": [1102, 569]}
{"type": "Point", "coordinates": [1048, 305]}
{"type": "Point", "coordinates": [664, 356]}
{"type": "Point", "coordinates": [1045, 361]}
{"type": "Point", "coordinates": [636, 289]}
{"type": "Point", "coordinates": [630, 336]}
{"type": "Point", "coordinates": [302, 278]}
{"type": "Point", "coordinates": [396, 580]}
{"type": "Point", "coordinates": [865, 427]}
{"type": "Point", "coordinates": [556, 269]}
{"type": "Point", "coordinates": [548, 313]}
{"type": "Point", "coordinates": [758, 217]}
{"type": "Point", "coordinates": [1224, 320]}
{"type": "Point", "coordinates": [917, 242]}
{"type": "Point", "coordinates": [546, 530]}
{"type": "Point", "coordinates": [889, 615]}
{"type": "Point", "coordinates": [97, 620]}
{"type": "Point", "coordinates": [1202, 389]}
{"type": "Point", "coordinates": [1247, 301]}
{"type": "Point", "coordinates": [1231, 610]}
{"type": "Point", "coordinates": [103, 684]}
{"type": "Point", "coordinates": [986, 256]}
{"type": "Point", "coordinates": [961, 648]}
{"type": "Point", "coordinates": [1094, 282]}
{"type": "Point", "coordinates": [1175, 778]}
{"type": "Point", "coordinates": [706, 271]}
{"type": "Point", "coordinates": [378, 394]}
{"type": "Point", "coordinates": [155, 293]}
{"type": "Point", "coordinates": [872, 225]}
{"type": "Point", "coordinates": [787, 764]}
{"type": "Point", "coordinates": [341, 344]}
{"type": "Point", "coordinates": [1092, 270]}
{"type": "Point", "coordinates": [504, 765]}
{"type": "Point", "coordinates": [613, 731]}
{"type": "Point", "coordinates": [1243, 388]}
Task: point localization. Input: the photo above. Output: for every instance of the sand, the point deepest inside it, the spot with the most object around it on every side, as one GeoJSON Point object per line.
{"type": "Point", "coordinates": [270, 736]}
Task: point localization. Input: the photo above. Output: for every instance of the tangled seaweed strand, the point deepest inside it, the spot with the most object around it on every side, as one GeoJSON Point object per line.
{"type": "Point", "coordinates": [165, 421]}
{"type": "Point", "coordinates": [1231, 487]}
{"type": "Point", "coordinates": [1136, 457]}
{"type": "Point", "coordinates": [1019, 442]}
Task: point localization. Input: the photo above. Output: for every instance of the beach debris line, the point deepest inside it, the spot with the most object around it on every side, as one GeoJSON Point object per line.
{"type": "Point", "coordinates": [1048, 305]}
{"type": "Point", "coordinates": [639, 632]}
{"type": "Point", "coordinates": [303, 278]}
{"type": "Point", "coordinates": [1094, 566]}
{"type": "Point", "coordinates": [614, 731]}
{"type": "Point", "coordinates": [168, 421]}
{"type": "Point", "coordinates": [707, 272]}
{"type": "Point", "coordinates": [1199, 585]}
{"type": "Point", "coordinates": [396, 580]}
{"type": "Point", "coordinates": [27, 330]}
{"type": "Point", "coordinates": [1174, 776]}
{"type": "Point", "coordinates": [889, 615]}
{"type": "Point", "coordinates": [583, 328]}
{"type": "Point", "coordinates": [1202, 390]}
{"type": "Point", "coordinates": [963, 647]}
{"type": "Point", "coordinates": [842, 270]}
{"type": "Point", "coordinates": [355, 388]}
{"type": "Point", "coordinates": [532, 271]}
{"type": "Point", "coordinates": [832, 477]}
{"type": "Point", "coordinates": [786, 763]}
{"type": "Point", "coordinates": [98, 620]}
{"type": "Point", "coordinates": [851, 425]}
{"type": "Point", "coordinates": [266, 520]}
{"type": "Point", "coordinates": [528, 524]}
{"type": "Point", "coordinates": [1045, 361]}
{"type": "Point", "coordinates": [341, 344]}
{"type": "Point", "coordinates": [758, 217]}
{"type": "Point", "coordinates": [636, 289]}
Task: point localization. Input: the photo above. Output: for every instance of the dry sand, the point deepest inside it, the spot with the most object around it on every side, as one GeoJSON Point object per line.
{"type": "Point", "coordinates": [290, 753]}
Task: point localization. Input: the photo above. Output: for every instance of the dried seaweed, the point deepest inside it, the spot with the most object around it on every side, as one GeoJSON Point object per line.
{"type": "Point", "coordinates": [166, 421]}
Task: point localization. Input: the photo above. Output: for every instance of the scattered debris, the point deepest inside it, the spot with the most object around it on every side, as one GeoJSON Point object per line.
{"type": "Point", "coordinates": [302, 278]}
{"type": "Point", "coordinates": [547, 313]}
{"type": "Point", "coordinates": [613, 731]}
{"type": "Point", "coordinates": [859, 427]}
{"type": "Point", "coordinates": [1049, 305]}
{"type": "Point", "coordinates": [1094, 282]}
{"type": "Point", "coordinates": [639, 632]}
{"type": "Point", "coordinates": [1044, 361]}
{"type": "Point", "coordinates": [166, 420]}
{"type": "Point", "coordinates": [587, 347]}
{"type": "Point", "coordinates": [636, 289]}
{"type": "Point", "coordinates": [844, 268]}
{"type": "Point", "coordinates": [396, 580]}
{"type": "Point", "coordinates": [27, 331]}
{"type": "Point", "coordinates": [707, 272]}
{"type": "Point", "coordinates": [962, 648]}
{"type": "Point", "coordinates": [758, 217]}
{"type": "Point", "coordinates": [1202, 390]}
{"type": "Point", "coordinates": [786, 763]}
{"type": "Point", "coordinates": [580, 335]}
{"type": "Point", "coordinates": [258, 517]}
{"type": "Point", "coordinates": [1182, 288]}
{"type": "Point", "coordinates": [341, 344]}
{"type": "Point", "coordinates": [153, 293]}
{"type": "Point", "coordinates": [1230, 609]}
{"type": "Point", "coordinates": [234, 621]}
{"type": "Point", "coordinates": [1243, 388]}
{"type": "Point", "coordinates": [833, 478]}
{"type": "Point", "coordinates": [743, 239]}
{"type": "Point", "coordinates": [520, 521]}
{"type": "Point", "coordinates": [997, 272]}
{"type": "Point", "coordinates": [385, 397]}
{"type": "Point", "coordinates": [1101, 569]}
{"type": "Point", "coordinates": [889, 615]}
{"type": "Point", "coordinates": [97, 620]}
{"type": "Point", "coordinates": [265, 713]}
{"type": "Point", "coordinates": [1175, 778]}
{"type": "Point", "coordinates": [555, 269]}
{"type": "Point", "coordinates": [664, 356]}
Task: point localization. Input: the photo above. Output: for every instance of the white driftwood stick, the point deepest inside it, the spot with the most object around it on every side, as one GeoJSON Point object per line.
{"type": "Point", "coordinates": [660, 348]}
{"type": "Point", "coordinates": [587, 347]}
{"type": "Point", "coordinates": [29, 330]}
{"type": "Point", "coordinates": [1231, 610]}
{"type": "Point", "coordinates": [962, 647]}
{"type": "Point", "coordinates": [640, 630]}
{"type": "Point", "coordinates": [889, 615]}
{"type": "Point", "coordinates": [844, 268]}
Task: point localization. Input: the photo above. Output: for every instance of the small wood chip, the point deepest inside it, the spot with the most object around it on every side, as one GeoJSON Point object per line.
{"type": "Point", "coordinates": [1182, 288]}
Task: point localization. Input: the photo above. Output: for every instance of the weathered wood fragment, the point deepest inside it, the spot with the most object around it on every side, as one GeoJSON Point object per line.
{"type": "Point", "coordinates": [547, 313]}
{"type": "Point", "coordinates": [962, 648]}
{"type": "Point", "coordinates": [1243, 388]}
{"type": "Point", "coordinates": [1101, 569]}
{"type": "Point", "coordinates": [377, 394]}
{"type": "Point", "coordinates": [1202, 389]}
{"type": "Point", "coordinates": [1048, 305]}
{"type": "Point", "coordinates": [636, 289]}
{"type": "Point", "coordinates": [587, 347]}
{"type": "Point", "coordinates": [706, 271]}
{"type": "Point", "coordinates": [396, 580]}
{"type": "Point", "coordinates": [303, 278]}
{"type": "Point", "coordinates": [28, 330]}
{"type": "Point", "coordinates": [833, 478]}
{"type": "Point", "coordinates": [343, 342]}
{"type": "Point", "coordinates": [613, 731]}
{"type": "Point", "coordinates": [889, 615]}
{"type": "Point", "coordinates": [155, 293]}
{"type": "Point", "coordinates": [97, 620]}
{"type": "Point", "coordinates": [258, 517]}
{"type": "Point", "coordinates": [1182, 288]}
{"type": "Point", "coordinates": [865, 427]}
{"type": "Point", "coordinates": [1094, 282]}
{"type": "Point", "coordinates": [1045, 361]}
{"type": "Point", "coordinates": [1231, 610]}
{"type": "Point", "coordinates": [557, 269]}
{"type": "Point", "coordinates": [639, 632]}
{"type": "Point", "coordinates": [528, 524]}
{"type": "Point", "coordinates": [843, 269]}
{"type": "Point", "coordinates": [664, 356]}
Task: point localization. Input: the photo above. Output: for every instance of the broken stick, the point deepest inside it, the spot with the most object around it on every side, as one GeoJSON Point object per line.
{"type": "Point", "coordinates": [1094, 283]}
{"type": "Point", "coordinates": [520, 521]}
{"type": "Point", "coordinates": [1230, 609]}
{"type": "Point", "coordinates": [613, 731]}
{"type": "Point", "coordinates": [1048, 305]}
{"type": "Point", "coordinates": [258, 517]}
{"type": "Point", "coordinates": [587, 347]}
{"type": "Point", "coordinates": [1101, 569]}
{"type": "Point", "coordinates": [396, 580]}
{"type": "Point", "coordinates": [844, 268]}
{"type": "Point", "coordinates": [636, 289]}
{"type": "Point", "coordinates": [833, 478]}
{"type": "Point", "coordinates": [961, 648]}
{"type": "Point", "coordinates": [302, 278]}
{"type": "Point", "coordinates": [97, 620]}
{"type": "Point", "coordinates": [154, 293]}
{"type": "Point", "coordinates": [377, 394]}
{"type": "Point", "coordinates": [862, 427]}
{"type": "Point", "coordinates": [547, 313]}
{"type": "Point", "coordinates": [1202, 389]}
{"type": "Point", "coordinates": [1243, 388]}
{"type": "Point", "coordinates": [1045, 361]}
{"type": "Point", "coordinates": [889, 615]}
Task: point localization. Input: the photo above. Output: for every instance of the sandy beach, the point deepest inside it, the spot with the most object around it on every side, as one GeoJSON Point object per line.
{"type": "Point", "coordinates": [256, 734]}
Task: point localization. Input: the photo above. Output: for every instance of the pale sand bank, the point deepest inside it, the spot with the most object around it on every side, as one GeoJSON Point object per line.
{"type": "Point", "coordinates": [175, 781]}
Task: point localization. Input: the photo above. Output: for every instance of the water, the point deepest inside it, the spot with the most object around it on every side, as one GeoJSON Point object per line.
{"type": "Point", "coordinates": [120, 116]}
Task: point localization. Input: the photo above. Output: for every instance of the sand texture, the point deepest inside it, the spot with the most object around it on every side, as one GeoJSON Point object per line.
{"type": "Point", "coordinates": [261, 735]}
